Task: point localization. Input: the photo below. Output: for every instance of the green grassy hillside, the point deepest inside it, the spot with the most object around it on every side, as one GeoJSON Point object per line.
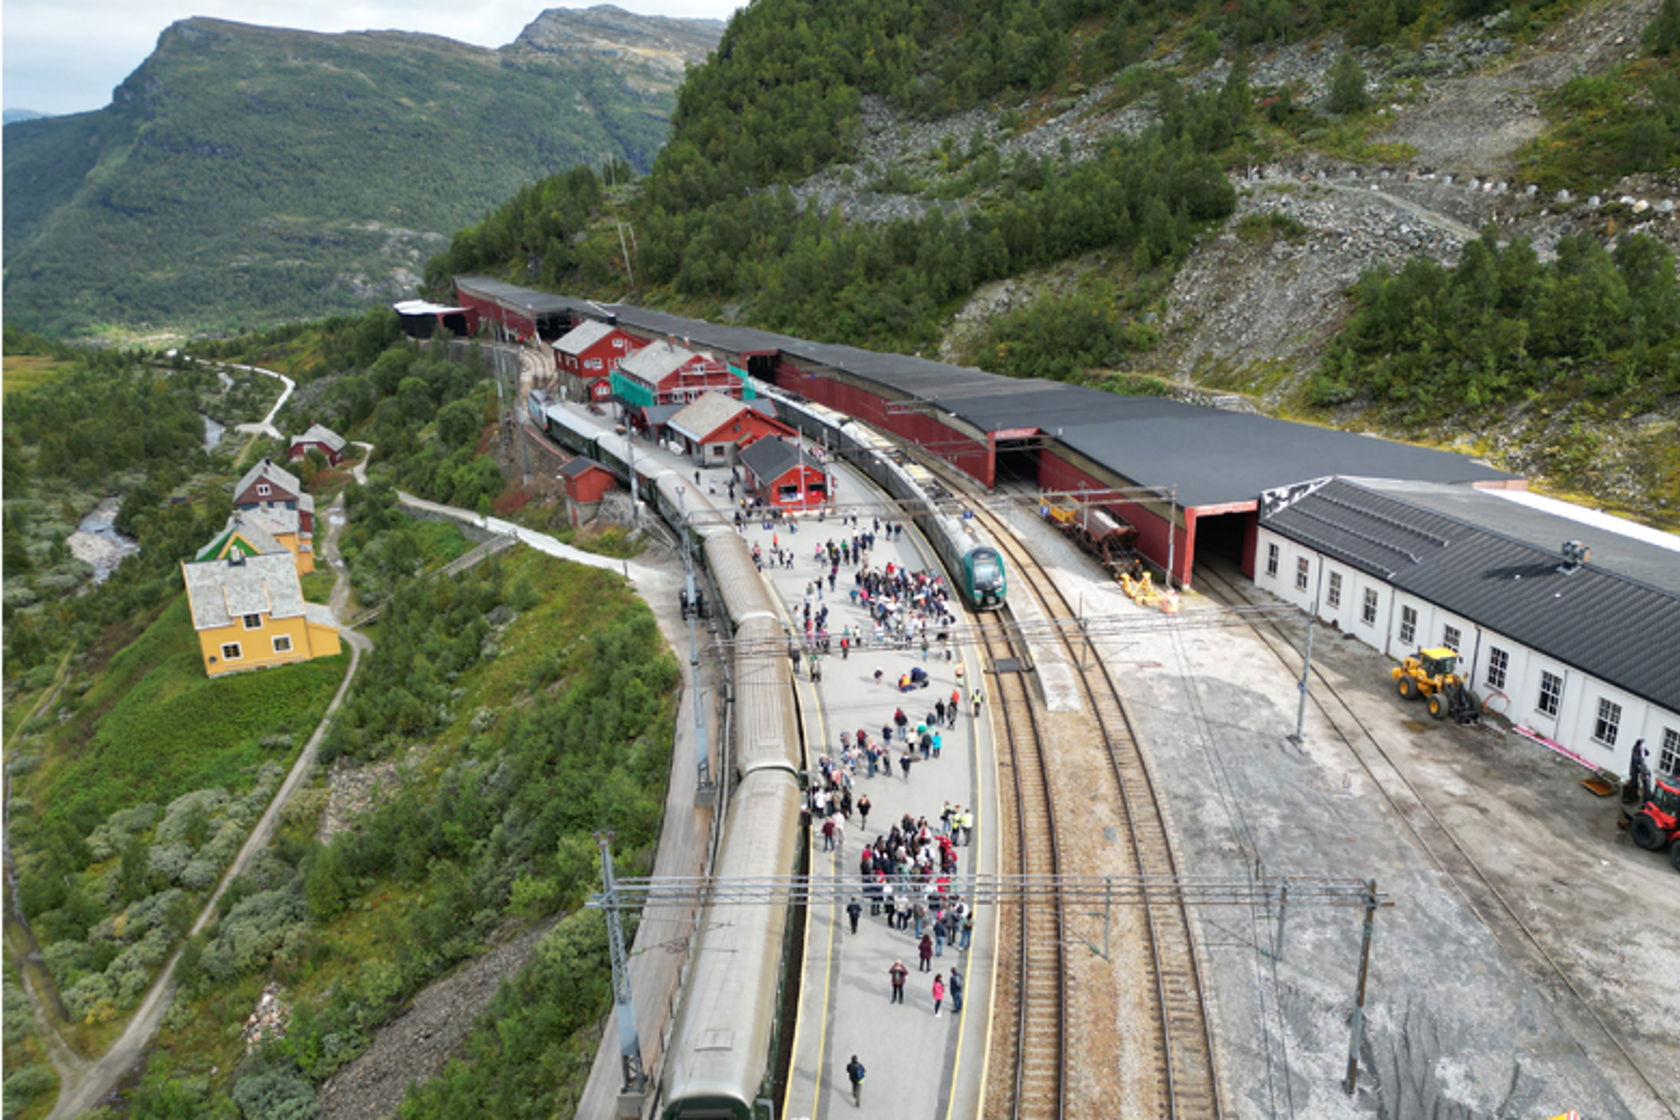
{"type": "Point", "coordinates": [246, 175]}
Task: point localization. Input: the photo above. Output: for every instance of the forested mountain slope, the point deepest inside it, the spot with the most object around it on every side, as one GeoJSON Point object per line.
{"type": "Point", "coordinates": [247, 175]}
{"type": "Point", "coordinates": [1181, 196]}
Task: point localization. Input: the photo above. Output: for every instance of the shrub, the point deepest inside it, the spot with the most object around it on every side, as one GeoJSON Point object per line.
{"type": "Point", "coordinates": [252, 932]}
{"type": "Point", "coordinates": [276, 1094]}
{"type": "Point", "coordinates": [1347, 87]}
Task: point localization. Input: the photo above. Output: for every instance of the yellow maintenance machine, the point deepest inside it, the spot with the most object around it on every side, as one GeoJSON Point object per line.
{"type": "Point", "coordinates": [1432, 674]}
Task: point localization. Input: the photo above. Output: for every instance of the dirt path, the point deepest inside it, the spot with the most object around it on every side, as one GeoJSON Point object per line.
{"type": "Point", "coordinates": [81, 1089]}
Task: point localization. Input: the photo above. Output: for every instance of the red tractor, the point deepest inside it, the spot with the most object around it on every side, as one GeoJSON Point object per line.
{"type": "Point", "coordinates": [1655, 825]}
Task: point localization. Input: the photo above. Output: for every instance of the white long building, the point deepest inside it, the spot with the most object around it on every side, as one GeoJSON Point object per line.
{"type": "Point", "coordinates": [1582, 656]}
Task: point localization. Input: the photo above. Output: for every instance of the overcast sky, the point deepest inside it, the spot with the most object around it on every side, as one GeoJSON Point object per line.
{"type": "Point", "coordinates": [67, 57]}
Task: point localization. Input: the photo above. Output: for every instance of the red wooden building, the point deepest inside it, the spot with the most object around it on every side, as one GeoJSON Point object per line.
{"type": "Point", "coordinates": [321, 438]}
{"type": "Point", "coordinates": [519, 314]}
{"type": "Point", "coordinates": [270, 487]}
{"type": "Point", "coordinates": [715, 428]}
{"type": "Point", "coordinates": [665, 373]}
{"type": "Point", "coordinates": [587, 481]}
{"type": "Point", "coordinates": [784, 476]}
{"type": "Point", "coordinates": [586, 356]}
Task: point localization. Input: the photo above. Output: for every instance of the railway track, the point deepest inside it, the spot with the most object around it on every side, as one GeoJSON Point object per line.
{"type": "Point", "coordinates": [1034, 945]}
{"type": "Point", "coordinates": [1433, 837]}
{"type": "Point", "coordinates": [1180, 1037]}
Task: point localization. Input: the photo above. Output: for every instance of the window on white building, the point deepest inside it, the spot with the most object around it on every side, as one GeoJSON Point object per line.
{"type": "Point", "coordinates": [1498, 662]}
{"type": "Point", "coordinates": [1368, 613]}
{"type": "Point", "coordinates": [1451, 637]}
{"type": "Point", "coordinates": [231, 651]}
{"type": "Point", "coordinates": [1303, 566]}
{"type": "Point", "coordinates": [283, 644]}
{"type": "Point", "coordinates": [1271, 559]}
{"type": "Point", "coordinates": [1408, 625]}
{"type": "Point", "coordinates": [1608, 722]}
{"type": "Point", "coordinates": [1551, 693]}
{"type": "Point", "coordinates": [262, 489]}
{"type": "Point", "coordinates": [1668, 754]}
{"type": "Point", "coordinates": [1334, 595]}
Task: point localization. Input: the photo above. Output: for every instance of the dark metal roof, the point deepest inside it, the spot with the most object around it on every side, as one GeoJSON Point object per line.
{"type": "Point", "coordinates": [770, 459]}
{"type": "Point", "coordinates": [1214, 456]}
{"type": "Point", "coordinates": [573, 468]}
{"type": "Point", "coordinates": [526, 299]}
{"type": "Point", "coordinates": [698, 332]}
{"type": "Point", "coordinates": [1621, 630]}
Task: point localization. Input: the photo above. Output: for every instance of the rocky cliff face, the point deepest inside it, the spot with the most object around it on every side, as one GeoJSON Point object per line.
{"type": "Point", "coordinates": [651, 51]}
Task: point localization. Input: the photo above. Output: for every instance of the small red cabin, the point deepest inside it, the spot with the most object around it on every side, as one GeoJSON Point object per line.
{"type": "Point", "coordinates": [784, 476]}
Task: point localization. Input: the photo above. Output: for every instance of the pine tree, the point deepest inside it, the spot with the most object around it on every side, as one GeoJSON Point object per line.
{"type": "Point", "coordinates": [1662, 34]}
{"type": "Point", "coordinates": [1347, 87]}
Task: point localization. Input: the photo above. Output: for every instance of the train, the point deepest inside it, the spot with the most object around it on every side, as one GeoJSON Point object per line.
{"type": "Point", "coordinates": [717, 1062]}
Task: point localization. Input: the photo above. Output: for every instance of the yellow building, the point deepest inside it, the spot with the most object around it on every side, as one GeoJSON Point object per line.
{"type": "Point", "coordinates": [249, 611]}
{"type": "Point", "coordinates": [263, 531]}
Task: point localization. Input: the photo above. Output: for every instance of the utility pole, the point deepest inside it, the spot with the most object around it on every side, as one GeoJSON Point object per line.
{"type": "Point", "coordinates": [705, 789]}
{"type": "Point", "coordinates": [623, 248]}
{"type": "Point", "coordinates": [1354, 1043]}
{"type": "Point", "coordinates": [629, 1044]}
{"type": "Point", "coordinates": [1306, 670]}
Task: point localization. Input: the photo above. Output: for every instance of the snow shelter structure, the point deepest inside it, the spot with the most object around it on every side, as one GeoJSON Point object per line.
{"type": "Point", "coordinates": [516, 314]}
{"type": "Point", "coordinates": [424, 319]}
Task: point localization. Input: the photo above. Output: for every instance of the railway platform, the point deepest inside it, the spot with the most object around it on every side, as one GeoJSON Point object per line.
{"type": "Point", "coordinates": [918, 1065]}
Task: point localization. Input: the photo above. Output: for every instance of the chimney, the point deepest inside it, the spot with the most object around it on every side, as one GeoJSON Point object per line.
{"type": "Point", "coordinates": [1575, 556]}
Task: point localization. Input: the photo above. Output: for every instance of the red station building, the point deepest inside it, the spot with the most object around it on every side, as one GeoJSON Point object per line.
{"type": "Point", "coordinates": [516, 314]}
{"type": "Point", "coordinates": [665, 373]}
{"type": "Point", "coordinates": [586, 356]}
{"type": "Point", "coordinates": [1189, 477]}
{"type": "Point", "coordinates": [716, 428]}
{"type": "Point", "coordinates": [785, 476]}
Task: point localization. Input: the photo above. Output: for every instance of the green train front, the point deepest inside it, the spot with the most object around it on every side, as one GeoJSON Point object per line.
{"type": "Point", "coordinates": [984, 583]}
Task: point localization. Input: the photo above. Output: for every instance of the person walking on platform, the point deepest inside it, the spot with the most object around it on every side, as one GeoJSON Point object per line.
{"type": "Point", "coordinates": [938, 993]}
{"type": "Point", "coordinates": [863, 802]}
{"type": "Point", "coordinates": [979, 696]}
{"type": "Point", "coordinates": [899, 974]}
{"type": "Point", "coordinates": [955, 988]}
{"type": "Point", "coordinates": [925, 951]}
{"type": "Point", "coordinates": [854, 910]}
{"type": "Point", "coordinates": [855, 1071]}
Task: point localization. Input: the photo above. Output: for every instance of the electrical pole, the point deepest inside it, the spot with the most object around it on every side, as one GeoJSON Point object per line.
{"type": "Point", "coordinates": [1306, 670]}
{"type": "Point", "coordinates": [705, 789]}
{"type": "Point", "coordinates": [629, 1045]}
{"type": "Point", "coordinates": [1372, 901]}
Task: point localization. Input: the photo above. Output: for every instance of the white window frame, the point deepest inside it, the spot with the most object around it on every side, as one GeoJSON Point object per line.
{"type": "Point", "coordinates": [1272, 555]}
{"type": "Point", "coordinates": [1668, 753]}
{"type": "Point", "coordinates": [1408, 624]}
{"type": "Point", "coordinates": [1303, 569]}
{"type": "Point", "coordinates": [282, 643]}
{"type": "Point", "coordinates": [1553, 695]}
{"type": "Point", "coordinates": [1499, 664]}
{"type": "Point", "coordinates": [253, 622]}
{"type": "Point", "coordinates": [235, 655]}
{"type": "Point", "coordinates": [1368, 612]}
{"type": "Point", "coordinates": [1608, 722]}
{"type": "Point", "coordinates": [263, 489]}
{"type": "Point", "coordinates": [1333, 595]}
{"type": "Point", "coordinates": [1452, 637]}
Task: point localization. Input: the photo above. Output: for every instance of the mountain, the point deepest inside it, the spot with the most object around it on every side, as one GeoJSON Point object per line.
{"type": "Point", "coordinates": [1281, 207]}
{"type": "Point", "coordinates": [246, 175]}
{"type": "Point", "coordinates": [13, 116]}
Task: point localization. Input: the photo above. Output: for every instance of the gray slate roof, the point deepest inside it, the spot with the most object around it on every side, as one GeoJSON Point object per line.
{"type": "Point", "coordinates": [1464, 553]}
{"type": "Point", "coordinates": [275, 473]}
{"type": "Point", "coordinates": [655, 361]}
{"type": "Point", "coordinates": [320, 433]}
{"type": "Point", "coordinates": [769, 459]}
{"type": "Point", "coordinates": [222, 592]}
{"type": "Point", "coordinates": [582, 337]}
{"type": "Point", "coordinates": [705, 414]}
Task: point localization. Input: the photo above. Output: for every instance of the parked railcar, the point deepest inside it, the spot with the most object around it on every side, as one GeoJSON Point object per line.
{"type": "Point", "coordinates": [720, 1049]}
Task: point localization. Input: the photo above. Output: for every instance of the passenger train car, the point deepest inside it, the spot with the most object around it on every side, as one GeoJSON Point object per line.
{"type": "Point", "coordinates": [975, 565]}
{"type": "Point", "coordinates": [718, 1060]}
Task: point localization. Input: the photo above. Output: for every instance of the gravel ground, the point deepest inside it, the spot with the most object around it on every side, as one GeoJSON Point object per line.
{"type": "Point", "coordinates": [414, 1046]}
{"type": "Point", "coordinates": [1454, 1027]}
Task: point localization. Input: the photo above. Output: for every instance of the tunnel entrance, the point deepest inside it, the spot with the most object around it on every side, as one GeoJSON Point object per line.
{"type": "Point", "coordinates": [1226, 536]}
{"type": "Point", "coordinates": [1017, 461]}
